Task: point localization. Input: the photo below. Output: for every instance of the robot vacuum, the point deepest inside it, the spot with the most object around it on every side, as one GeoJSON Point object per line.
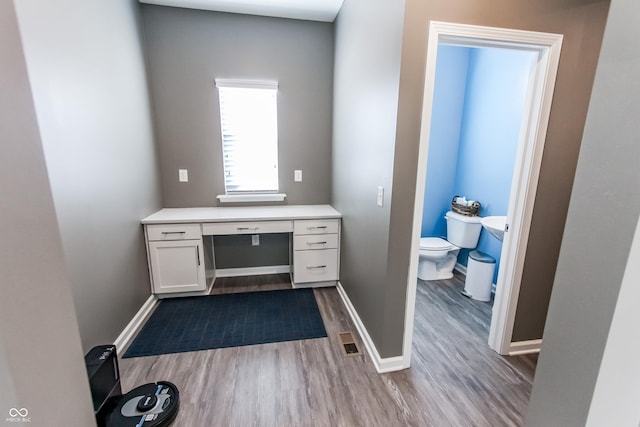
{"type": "Point", "coordinates": [150, 405]}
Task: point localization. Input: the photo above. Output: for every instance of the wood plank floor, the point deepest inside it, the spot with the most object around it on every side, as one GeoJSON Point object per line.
{"type": "Point", "coordinates": [455, 379]}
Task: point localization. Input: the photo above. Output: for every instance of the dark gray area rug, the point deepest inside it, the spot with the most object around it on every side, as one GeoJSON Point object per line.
{"type": "Point", "coordinates": [229, 320]}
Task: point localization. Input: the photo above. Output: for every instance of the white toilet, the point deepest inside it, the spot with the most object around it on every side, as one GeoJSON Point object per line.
{"type": "Point", "coordinates": [438, 256]}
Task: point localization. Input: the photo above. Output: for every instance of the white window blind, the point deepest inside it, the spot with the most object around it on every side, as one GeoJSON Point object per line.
{"type": "Point", "coordinates": [249, 124]}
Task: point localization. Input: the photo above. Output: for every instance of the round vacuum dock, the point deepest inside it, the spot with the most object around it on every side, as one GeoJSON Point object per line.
{"type": "Point", "coordinates": [150, 405]}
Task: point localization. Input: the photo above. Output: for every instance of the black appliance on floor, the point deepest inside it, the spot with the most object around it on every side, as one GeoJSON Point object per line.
{"type": "Point", "coordinates": [149, 405]}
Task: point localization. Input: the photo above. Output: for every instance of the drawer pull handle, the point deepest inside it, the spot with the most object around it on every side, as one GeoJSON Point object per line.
{"type": "Point", "coordinates": [317, 227]}
{"type": "Point", "coordinates": [248, 228]}
{"type": "Point", "coordinates": [316, 243]}
{"type": "Point", "coordinates": [316, 267]}
{"type": "Point", "coordinates": [174, 232]}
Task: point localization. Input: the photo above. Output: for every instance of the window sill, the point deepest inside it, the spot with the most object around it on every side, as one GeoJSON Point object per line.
{"type": "Point", "coordinates": [247, 198]}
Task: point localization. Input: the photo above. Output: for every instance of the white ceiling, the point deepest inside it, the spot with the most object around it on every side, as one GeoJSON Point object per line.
{"type": "Point", "coordinates": [312, 10]}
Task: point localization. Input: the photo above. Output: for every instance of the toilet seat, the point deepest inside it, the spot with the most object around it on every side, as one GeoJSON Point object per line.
{"type": "Point", "coordinates": [435, 244]}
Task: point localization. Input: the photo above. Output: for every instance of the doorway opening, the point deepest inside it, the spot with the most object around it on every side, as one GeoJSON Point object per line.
{"type": "Point", "coordinates": [543, 49]}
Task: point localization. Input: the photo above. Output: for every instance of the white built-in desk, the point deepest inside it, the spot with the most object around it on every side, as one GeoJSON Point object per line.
{"type": "Point", "coordinates": [175, 249]}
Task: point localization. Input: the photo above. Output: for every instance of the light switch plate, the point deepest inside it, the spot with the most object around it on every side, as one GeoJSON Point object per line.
{"type": "Point", "coordinates": [183, 175]}
{"type": "Point", "coordinates": [297, 175]}
{"type": "Point", "coordinates": [380, 196]}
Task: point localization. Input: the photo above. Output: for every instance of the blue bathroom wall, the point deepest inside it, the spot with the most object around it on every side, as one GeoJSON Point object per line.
{"type": "Point", "coordinates": [446, 121]}
{"type": "Point", "coordinates": [497, 83]}
{"type": "Point", "coordinates": [475, 127]}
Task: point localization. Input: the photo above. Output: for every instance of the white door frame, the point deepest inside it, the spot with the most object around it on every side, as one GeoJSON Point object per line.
{"type": "Point", "coordinates": [526, 170]}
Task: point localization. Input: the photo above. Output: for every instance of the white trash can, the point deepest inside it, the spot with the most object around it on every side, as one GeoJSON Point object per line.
{"type": "Point", "coordinates": [480, 267]}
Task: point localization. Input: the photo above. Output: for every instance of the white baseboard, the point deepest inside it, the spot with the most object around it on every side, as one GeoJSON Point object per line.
{"type": "Point", "coordinates": [207, 291]}
{"type": "Point", "coordinates": [252, 271]}
{"type": "Point", "coordinates": [387, 364]}
{"type": "Point", "coordinates": [127, 334]}
{"type": "Point", "coordinates": [324, 284]}
{"type": "Point", "coordinates": [524, 347]}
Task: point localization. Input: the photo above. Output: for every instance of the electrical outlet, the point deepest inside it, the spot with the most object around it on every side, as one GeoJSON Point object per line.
{"type": "Point", "coordinates": [183, 175]}
{"type": "Point", "coordinates": [255, 240]}
{"type": "Point", "coordinates": [297, 175]}
{"type": "Point", "coordinates": [380, 196]}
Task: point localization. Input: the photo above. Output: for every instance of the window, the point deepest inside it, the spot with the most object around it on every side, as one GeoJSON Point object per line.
{"type": "Point", "coordinates": [248, 119]}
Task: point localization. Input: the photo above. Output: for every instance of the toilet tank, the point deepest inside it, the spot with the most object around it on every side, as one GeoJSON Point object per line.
{"type": "Point", "coordinates": [463, 231]}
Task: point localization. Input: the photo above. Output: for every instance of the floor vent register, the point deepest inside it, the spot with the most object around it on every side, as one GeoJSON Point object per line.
{"type": "Point", "coordinates": [348, 344]}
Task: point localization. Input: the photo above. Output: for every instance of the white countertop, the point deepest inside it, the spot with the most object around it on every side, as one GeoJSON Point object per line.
{"type": "Point", "coordinates": [248, 213]}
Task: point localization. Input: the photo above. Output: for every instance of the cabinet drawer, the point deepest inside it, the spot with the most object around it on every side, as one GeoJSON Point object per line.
{"type": "Point", "coordinates": [316, 226]}
{"type": "Point", "coordinates": [310, 242]}
{"type": "Point", "coordinates": [173, 232]}
{"type": "Point", "coordinates": [246, 227]}
{"type": "Point", "coordinates": [315, 266]}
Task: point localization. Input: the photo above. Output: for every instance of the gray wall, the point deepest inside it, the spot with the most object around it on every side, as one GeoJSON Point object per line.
{"type": "Point", "coordinates": [188, 49]}
{"type": "Point", "coordinates": [365, 67]}
{"type": "Point", "coordinates": [237, 251]}
{"type": "Point", "coordinates": [616, 393]}
{"type": "Point", "coordinates": [367, 72]}
{"type": "Point", "coordinates": [87, 73]}
{"type": "Point", "coordinates": [603, 215]}
{"type": "Point", "coordinates": [582, 23]}
{"type": "Point", "coordinates": [39, 342]}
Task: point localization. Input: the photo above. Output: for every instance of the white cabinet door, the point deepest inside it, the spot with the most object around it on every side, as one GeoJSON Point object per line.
{"type": "Point", "coordinates": [177, 266]}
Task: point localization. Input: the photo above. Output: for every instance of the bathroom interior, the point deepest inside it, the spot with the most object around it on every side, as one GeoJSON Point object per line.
{"type": "Point", "coordinates": [478, 106]}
